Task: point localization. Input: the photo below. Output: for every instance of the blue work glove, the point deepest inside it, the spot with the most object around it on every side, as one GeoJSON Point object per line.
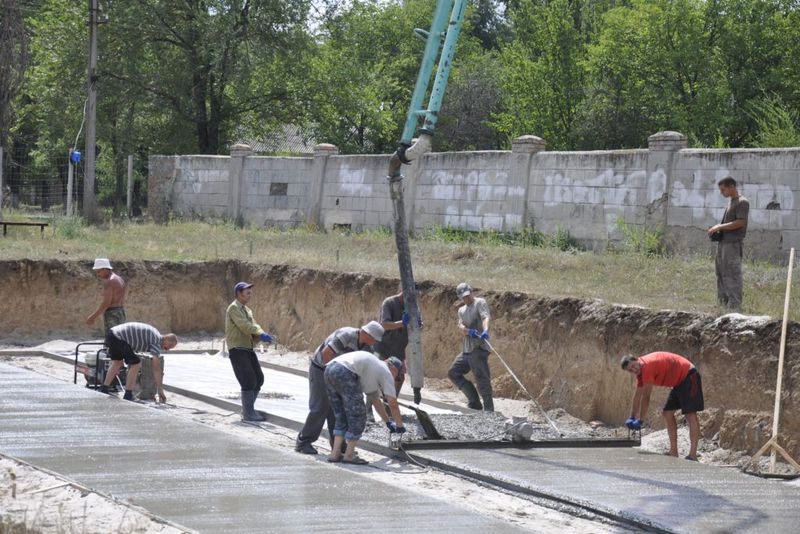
{"type": "Point", "coordinates": [485, 335]}
{"type": "Point", "coordinates": [474, 333]}
{"type": "Point", "coordinates": [406, 318]}
{"type": "Point", "coordinates": [400, 430]}
{"type": "Point", "coordinates": [629, 422]}
{"type": "Point", "coordinates": [636, 424]}
{"type": "Point", "coordinates": [392, 427]}
{"type": "Point", "coordinates": [266, 338]}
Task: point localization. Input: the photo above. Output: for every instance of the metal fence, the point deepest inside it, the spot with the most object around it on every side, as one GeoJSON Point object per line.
{"type": "Point", "coordinates": [36, 182]}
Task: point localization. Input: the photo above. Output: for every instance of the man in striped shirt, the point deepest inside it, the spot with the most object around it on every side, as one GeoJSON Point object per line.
{"type": "Point", "coordinates": [123, 342]}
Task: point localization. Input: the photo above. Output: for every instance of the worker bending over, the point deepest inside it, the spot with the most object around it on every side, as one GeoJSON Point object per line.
{"type": "Point", "coordinates": [673, 371]}
{"type": "Point", "coordinates": [123, 342]}
{"type": "Point", "coordinates": [347, 379]}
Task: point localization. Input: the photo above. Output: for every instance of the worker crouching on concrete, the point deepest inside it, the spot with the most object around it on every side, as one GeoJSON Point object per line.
{"type": "Point", "coordinates": [473, 322]}
{"type": "Point", "coordinates": [343, 341]}
{"type": "Point", "coordinates": [241, 335]}
{"type": "Point", "coordinates": [673, 371]}
{"type": "Point", "coordinates": [123, 342]}
{"type": "Point", "coordinates": [347, 379]}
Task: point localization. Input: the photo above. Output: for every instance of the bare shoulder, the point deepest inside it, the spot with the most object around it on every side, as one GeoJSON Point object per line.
{"type": "Point", "coordinates": [116, 280]}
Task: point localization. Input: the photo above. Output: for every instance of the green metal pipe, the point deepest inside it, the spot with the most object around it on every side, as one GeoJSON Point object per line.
{"type": "Point", "coordinates": [432, 46]}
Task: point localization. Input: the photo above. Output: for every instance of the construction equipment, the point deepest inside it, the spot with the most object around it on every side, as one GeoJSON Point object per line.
{"type": "Point", "coordinates": [521, 385]}
{"type": "Point", "coordinates": [436, 40]}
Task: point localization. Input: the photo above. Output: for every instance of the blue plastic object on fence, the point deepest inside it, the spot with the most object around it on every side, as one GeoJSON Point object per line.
{"type": "Point", "coordinates": [75, 157]}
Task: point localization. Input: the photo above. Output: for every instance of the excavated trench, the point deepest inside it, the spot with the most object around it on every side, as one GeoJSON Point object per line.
{"type": "Point", "coordinates": [566, 349]}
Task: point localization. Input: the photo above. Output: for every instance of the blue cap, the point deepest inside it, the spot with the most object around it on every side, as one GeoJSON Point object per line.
{"type": "Point", "coordinates": [241, 286]}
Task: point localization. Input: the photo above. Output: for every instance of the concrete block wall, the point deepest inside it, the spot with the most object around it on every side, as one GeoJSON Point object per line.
{"type": "Point", "coordinates": [666, 187]}
{"type": "Point", "coordinates": [275, 190]}
{"type": "Point", "coordinates": [468, 190]}
{"type": "Point", "coordinates": [355, 193]}
{"type": "Point", "coordinates": [768, 178]}
{"type": "Point", "coordinates": [586, 192]}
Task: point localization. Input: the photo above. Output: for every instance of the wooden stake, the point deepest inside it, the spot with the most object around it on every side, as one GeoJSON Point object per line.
{"type": "Point", "coordinates": [772, 444]}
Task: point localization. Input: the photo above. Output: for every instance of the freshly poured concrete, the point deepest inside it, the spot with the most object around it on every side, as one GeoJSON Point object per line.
{"type": "Point", "coordinates": [674, 494]}
{"type": "Point", "coordinates": [201, 478]}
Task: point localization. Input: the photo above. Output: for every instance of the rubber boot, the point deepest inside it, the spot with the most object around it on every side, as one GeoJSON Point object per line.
{"type": "Point", "coordinates": [473, 400]}
{"type": "Point", "coordinates": [248, 413]}
{"type": "Point", "coordinates": [488, 403]}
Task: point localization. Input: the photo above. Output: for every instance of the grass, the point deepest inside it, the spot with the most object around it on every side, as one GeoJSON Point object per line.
{"type": "Point", "coordinates": [529, 262]}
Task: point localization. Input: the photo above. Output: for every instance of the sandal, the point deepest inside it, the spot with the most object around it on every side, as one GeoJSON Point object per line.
{"type": "Point", "coordinates": [690, 459]}
{"type": "Point", "coordinates": [355, 461]}
{"type": "Point", "coordinates": [333, 460]}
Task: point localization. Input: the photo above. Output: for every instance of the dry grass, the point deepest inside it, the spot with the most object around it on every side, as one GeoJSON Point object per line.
{"type": "Point", "coordinates": [685, 282]}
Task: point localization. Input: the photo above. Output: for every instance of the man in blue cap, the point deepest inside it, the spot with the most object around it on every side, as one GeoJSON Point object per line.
{"type": "Point", "coordinates": [241, 335]}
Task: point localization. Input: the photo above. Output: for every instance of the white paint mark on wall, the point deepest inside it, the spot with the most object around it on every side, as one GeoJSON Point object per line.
{"type": "Point", "coordinates": [608, 188]}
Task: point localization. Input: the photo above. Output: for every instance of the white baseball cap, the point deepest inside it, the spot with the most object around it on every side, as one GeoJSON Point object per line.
{"type": "Point", "coordinates": [101, 263]}
{"type": "Point", "coordinates": [463, 290]}
{"type": "Point", "coordinates": [374, 329]}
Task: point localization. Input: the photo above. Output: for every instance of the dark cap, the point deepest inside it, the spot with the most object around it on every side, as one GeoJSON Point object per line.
{"type": "Point", "coordinates": [241, 286]}
{"type": "Point", "coordinates": [395, 362]}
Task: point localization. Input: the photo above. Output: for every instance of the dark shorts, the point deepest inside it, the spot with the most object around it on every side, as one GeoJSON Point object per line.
{"type": "Point", "coordinates": [120, 350]}
{"type": "Point", "coordinates": [687, 396]}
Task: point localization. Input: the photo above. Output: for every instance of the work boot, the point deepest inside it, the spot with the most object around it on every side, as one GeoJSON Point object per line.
{"type": "Point", "coordinates": [106, 389]}
{"type": "Point", "coordinates": [248, 413]}
{"type": "Point", "coordinates": [488, 403]}
{"type": "Point", "coordinates": [128, 395]}
{"type": "Point", "coordinates": [303, 447]}
{"type": "Point", "coordinates": [473, 400]}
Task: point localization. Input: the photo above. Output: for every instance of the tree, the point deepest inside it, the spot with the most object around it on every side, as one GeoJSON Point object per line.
{"type": "Point", "coordinates": [541, 77]}
{"type": "Point", "coordinates": [14, 60]}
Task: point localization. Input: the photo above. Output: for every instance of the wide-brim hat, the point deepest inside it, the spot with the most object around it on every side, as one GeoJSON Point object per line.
{"type": "Point", "coordinates": [374, 329]}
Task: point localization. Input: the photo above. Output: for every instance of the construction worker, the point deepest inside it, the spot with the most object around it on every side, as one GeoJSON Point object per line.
{"type": "Point", "coordinates": [342, 341]}
{"type": "Point", "coordinates": [347, 378]}
{"type": "Point", "coordinates": [394, 319]}
{"type": "Point", "coordinates": [112, 306]}
{"type": "Point", "coordinates": [123, 342]}
{"type": "Point", "coordinates": [241, 335]}
{"type": "Point", "coordinates": [473, 323]}
{"type": "Point", "coordinates": [673, 371]}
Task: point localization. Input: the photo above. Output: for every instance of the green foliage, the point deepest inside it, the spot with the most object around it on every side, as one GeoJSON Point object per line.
{"type": "Point", "coordinates": [638, 240]}
{"type": "Point", "coordinates": [563, 240]}
{"type": "Point", "coordinates": [777, 125]}
{"type": "Point", "coordinates": [70, 227]}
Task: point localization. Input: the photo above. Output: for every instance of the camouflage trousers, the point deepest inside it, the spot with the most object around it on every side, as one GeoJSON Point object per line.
{"type": "Point", "coordinates": [113, 317]}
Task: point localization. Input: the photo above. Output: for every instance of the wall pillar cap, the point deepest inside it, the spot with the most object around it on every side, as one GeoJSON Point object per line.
{"type": "Point", "coordinates": [325, 149]}
{"type": "Point", "coordinates": [667, 140]}
{"type": "Point", "coordinates": [241, 150]}
{"type": "Point", "coordinates": [528, 144]}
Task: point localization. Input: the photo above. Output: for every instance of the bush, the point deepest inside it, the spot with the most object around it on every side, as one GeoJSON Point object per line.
{"type": "Point", "coordinates": [70, 227]}
{"type": "Point", "coordinates": [641, 240]}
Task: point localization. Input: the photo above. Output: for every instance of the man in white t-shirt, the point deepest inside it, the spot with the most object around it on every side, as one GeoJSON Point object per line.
{"type": "Point", "coordinates": [347, 379]}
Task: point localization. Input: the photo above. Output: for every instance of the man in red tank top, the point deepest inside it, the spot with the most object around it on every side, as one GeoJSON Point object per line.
{"type": "Point", "coordinates": [673, 371]}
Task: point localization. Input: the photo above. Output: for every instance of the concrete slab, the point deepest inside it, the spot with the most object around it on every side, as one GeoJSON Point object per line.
{"type": "Point", "coordinates": [287, 394]}
{"type": "Point", "coordinates": [197, 476]}
{"type": "Point", "coordinates": [673, 494]}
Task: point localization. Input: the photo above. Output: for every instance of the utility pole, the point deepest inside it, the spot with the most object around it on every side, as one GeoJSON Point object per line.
{"type": "Point", "coordinates": [89, 198]}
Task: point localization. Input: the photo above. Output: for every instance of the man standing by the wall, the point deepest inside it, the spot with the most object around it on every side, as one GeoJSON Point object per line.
{"type": "Point", "coordinates": [112, 307]}
{"type": "Point", "coordinates": [730, 232]}
{"type": "Point", "coordinates": [473, 322]}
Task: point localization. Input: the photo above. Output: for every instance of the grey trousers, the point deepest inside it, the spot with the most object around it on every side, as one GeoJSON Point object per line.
{"type": "Point", "coordinates": [319, 407]}
{"type": "Point", "coordinates": [476, 361]}
{"type": "Point", "coordinates": [729, 274]}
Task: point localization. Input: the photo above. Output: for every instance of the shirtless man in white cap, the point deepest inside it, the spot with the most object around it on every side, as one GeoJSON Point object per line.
{"type": "Point", "coordinates": [112, 307]}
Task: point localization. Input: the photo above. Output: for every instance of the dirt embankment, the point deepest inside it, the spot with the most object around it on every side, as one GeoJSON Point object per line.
{"type": "Point", "coordinates": [565, 349]}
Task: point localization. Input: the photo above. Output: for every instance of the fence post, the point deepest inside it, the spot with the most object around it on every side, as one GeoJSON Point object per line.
{"type": "Point", "coordinates": [523, 150]}
{"type": "Point", "coordinates": [130, 186]}
{"type": "Point", "coordinates": [322, 152]}
{"type": "Point", "coordinates": [239, 154]}
{"type": "Point", "coordinates": [70, 183]}
{"type": "Point", "coordinates": [1, 182]}
{"type": "Point", "coordinates": [662, 149]}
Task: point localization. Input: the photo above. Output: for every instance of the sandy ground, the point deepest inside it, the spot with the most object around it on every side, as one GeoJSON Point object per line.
{"type": "Point", "coordinates": [525, 512]}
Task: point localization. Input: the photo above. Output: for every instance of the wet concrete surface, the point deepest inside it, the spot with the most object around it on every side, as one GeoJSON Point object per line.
{"type": "Point", "coordinates": [669, 493]}
{"type": "Point", "coordinates": [198, 477]}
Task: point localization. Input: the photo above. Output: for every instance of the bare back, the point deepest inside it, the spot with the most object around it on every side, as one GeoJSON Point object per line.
{"type": "Point", "coordinates": [115, 285]}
